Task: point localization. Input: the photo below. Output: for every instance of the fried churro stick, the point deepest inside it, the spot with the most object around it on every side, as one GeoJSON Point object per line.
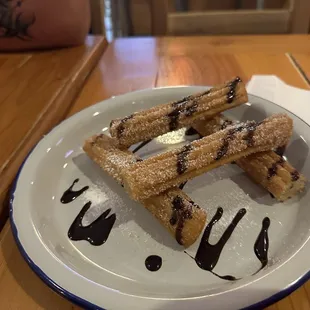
{"type": "Point", "coordinates": [267, 168]}
{"type": "Point", "coordinates": [174, 209]}
{"type": "Point", "coordinates": [158, 173]}
{"type": "Point", "coordinates": [148, 124]}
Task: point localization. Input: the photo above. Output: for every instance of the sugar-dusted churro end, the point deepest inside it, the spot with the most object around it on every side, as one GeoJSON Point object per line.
{"type": "Point", "coordinates": [274, 173]}
{"type": "Point", "coordinates": [147, 124]}
{"type": "Point", "coordinates": [268, 169]}
{"type": "Point", "coordinates": [103, 150]}
{"type": "Point", "coordinates": [179, 214]}
{"type": "Point", "coordinates": [158, 173]}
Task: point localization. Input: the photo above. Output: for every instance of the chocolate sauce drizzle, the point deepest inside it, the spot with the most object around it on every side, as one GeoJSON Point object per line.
{"type": "Point", "coordinates": [180, 213]}
{"type": "Point", "coordinates": [188, 106]}
{"type": "Point", "coordinates": [272, 171]}
{"type": "Point", "coordinates": [182, 158]}
{"type": "Point", "coordinates": [180, 107]}
{"type": "Point", "coordinates": [141, 145]}
{"type": "Point", "coordinates": [295, 175]}
{"type": "Point", "coordinates": [121, 127]}
{"type": "Point", "coordinates": [69, 195]}
{"type": "Point", "coordinates": [261, 245]}
{"type": "Point", "coordinates": [229, 137]}
{"type": "Point", "coordinates": [182, 101]}
{"type": "Point", "coordinates": [250, 127]}
{"type": "Point", "coordinates": [190, 97]}
{"type": "Point", "coordinates": [226, 123]}
{"type": "Point", "coordinates": [173, 123]}
{"type": "Point", "coordinates": [232, 89]}
{"type": "Point", "coordinates": [153, 263]}
{"type": "Point", "coordinates": [208, 254]}
{"type": "Point", "coordinates": [97, 232]}
{"type": "Point", "coordinates": [224, 147]}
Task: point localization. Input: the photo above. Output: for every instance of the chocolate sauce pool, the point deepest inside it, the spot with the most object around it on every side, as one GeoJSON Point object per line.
{"type": "Point", "coordinates": [208, 254]}
{"type": "Point", "coordinates": [153, 262]}
{"type": "Point", "coordinates": [95, 233]}
{"type": "Point", "coordinates": [261, 245]}
{"type": "Point", "coordinates": [69, 195]}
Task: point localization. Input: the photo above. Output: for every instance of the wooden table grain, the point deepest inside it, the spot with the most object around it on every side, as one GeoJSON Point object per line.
{"type": "Point", "coordinates": [37, 89]}
{"type": "Point", "coordinates": [301, 61]}
{"type": "Point", "coordinates": [132, 64]}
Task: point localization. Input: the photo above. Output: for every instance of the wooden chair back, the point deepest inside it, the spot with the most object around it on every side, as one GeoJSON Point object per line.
{"type": "Point", "coordinates": [97, 16]}
{"type": "Point", "coordinates": [293, 17]}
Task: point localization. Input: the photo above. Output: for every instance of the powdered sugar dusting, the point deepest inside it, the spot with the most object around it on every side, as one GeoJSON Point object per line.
{"type": "Point", "coordinates": [151, 123]}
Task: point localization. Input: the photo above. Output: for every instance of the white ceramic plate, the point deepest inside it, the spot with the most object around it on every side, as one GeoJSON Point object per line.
{"type": "Point", "coordinates": [113, 275]}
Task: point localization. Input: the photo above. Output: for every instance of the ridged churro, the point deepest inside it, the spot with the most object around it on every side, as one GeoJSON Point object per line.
{"type": "Point", "coordinates": [148, 124]}
{"type": "Point", "coordinates": [268, 169]}
{"type": "Point", "coordinates": [158, 173]}
{"type": "Point", "coordinates": [174, 209]}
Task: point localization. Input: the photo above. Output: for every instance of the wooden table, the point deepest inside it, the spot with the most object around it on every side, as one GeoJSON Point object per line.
{"type": "Point", "coordinates": [131, 64]}
{"type": "Point", "coordinates": [37, 89]}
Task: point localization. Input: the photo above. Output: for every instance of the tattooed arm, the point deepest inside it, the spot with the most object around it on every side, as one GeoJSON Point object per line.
{"type": "Point", "coordinates": [30, 24]}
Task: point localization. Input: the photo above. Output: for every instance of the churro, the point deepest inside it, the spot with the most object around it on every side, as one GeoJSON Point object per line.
{"type": "Point", "coordinates": [148, 124]}
{"type": "Point", "coordinates": [268, 169]}
{"type": "Point", "coordinates": [158, 173]}
{"type": "Point", "coordinates": [174, 209]}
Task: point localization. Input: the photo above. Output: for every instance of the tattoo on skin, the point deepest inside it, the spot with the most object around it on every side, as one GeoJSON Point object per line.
{"type": "Point", "coordinates": [14, 23]}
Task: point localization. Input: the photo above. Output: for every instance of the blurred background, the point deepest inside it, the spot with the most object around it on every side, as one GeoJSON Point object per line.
{"type": "Point", "coordinates": [122, 18]}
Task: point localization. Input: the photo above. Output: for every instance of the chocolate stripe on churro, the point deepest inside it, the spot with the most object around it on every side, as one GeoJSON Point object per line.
{"type": "Point", "coordinates": [268, 168]}
{"type": "Point", "coordinates": [273, 169]}
{"type": "Point", "coordinates": [232, 89]}
{"type": "Point", "coordinates": [174, 209]}
{"type": "Point", "coordinates": [158, 173]}
{"type": "Point", "coordinates": [295, 175]}
{"type": "Point", "coordinates": [181, 160]}
{"type": "Point", "coordinates": [180, 213]}
{"type": "Point", "coordinates": [148, 124]}
{"type": "Point", "coordinates": [121, 127]}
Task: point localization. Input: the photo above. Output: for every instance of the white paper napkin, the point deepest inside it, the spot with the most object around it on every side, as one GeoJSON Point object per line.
{"type": "Point", "coordinates": [272, 88]}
